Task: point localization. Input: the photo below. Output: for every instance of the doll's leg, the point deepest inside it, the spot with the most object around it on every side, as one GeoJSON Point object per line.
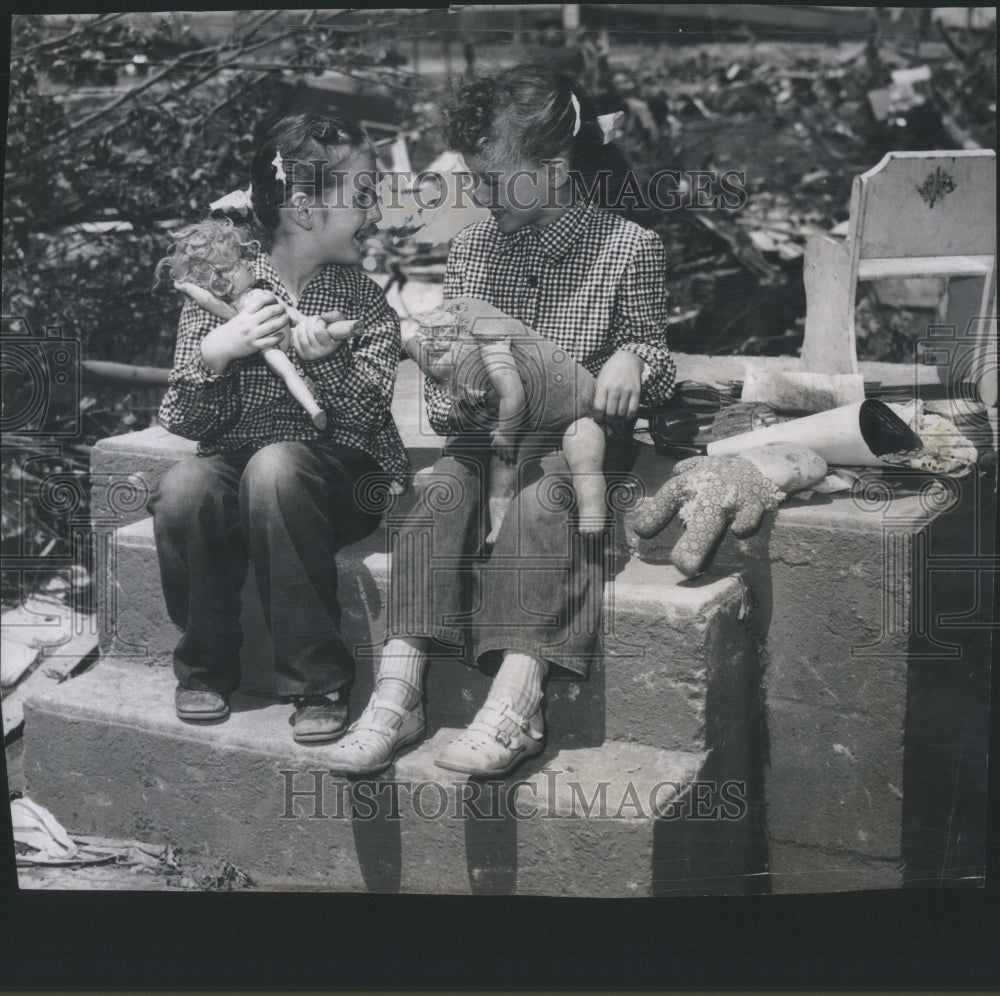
{"type": "Point", "coordinates": [583, 448]}
{"type": "Point", "coordinates": [503, 485]}
{"type": "Point", "coordinates": [203, 563]}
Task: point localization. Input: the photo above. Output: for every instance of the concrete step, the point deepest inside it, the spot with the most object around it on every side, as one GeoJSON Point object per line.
{"type": "Point", "coordinates": [678, 655]}
{"type": "Point", "coordinates": [840, 592]}
{"type": "Point", "coordinates": [105, 753]}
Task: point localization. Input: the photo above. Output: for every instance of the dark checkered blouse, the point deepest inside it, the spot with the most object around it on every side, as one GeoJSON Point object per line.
{"type": "Point", "coordinates": [591, 281]}
{"type": "Point", "coordinates": [248, 406]}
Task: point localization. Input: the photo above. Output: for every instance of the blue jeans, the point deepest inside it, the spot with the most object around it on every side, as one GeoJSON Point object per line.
{"type": "Point", "coordinates": [539, 591]}
{"type": "Point", "coordinates": [290, 506]}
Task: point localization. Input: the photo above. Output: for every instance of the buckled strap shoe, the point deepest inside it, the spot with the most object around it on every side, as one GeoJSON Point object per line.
{"type": "Point", "coordinates": [371, 746]}
{"type": "Point", "coordinates": [496, 741]}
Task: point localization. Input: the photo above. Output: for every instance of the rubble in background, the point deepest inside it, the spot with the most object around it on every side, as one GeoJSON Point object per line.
{"type": "Point", "coordinates": [800, 121]}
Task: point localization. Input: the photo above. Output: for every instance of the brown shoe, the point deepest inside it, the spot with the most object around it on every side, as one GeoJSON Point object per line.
{"type": "Point", "coordinates": [197, 705]}
{"type": "Point", "coordinates": [318, 719]}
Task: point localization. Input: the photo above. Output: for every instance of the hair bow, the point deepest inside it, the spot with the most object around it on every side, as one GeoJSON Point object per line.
{"type": "Point", "coordinates": [576, 110]}
{"type": "Point", "coordinates": [608, 123]}
{"type": "Point", "coordinates": [239, 201]}
{"type": "Point", "coordinates": [279, 167]}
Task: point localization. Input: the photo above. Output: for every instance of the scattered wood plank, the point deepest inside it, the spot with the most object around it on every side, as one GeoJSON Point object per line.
{"type": "Point", "coordinates": [106, 372]}
{"type": "Point", "coordinates": [60, 641]}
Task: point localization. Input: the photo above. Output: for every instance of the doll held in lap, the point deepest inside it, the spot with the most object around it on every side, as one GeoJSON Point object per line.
{"type": "Point", "coordinates": [209, 262]}
{"type": "Point", "coordinates": [476, 351]}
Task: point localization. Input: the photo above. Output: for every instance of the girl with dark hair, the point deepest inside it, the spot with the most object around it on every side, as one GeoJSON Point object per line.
{"type": "Point", "coordinates": [593, 283]}
{"type": "Point", "coordinates": [270, 483]}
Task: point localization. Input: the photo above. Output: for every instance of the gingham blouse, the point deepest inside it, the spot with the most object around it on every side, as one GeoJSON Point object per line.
{"type": "Point", "coordinates": [248, 405]}
{"type": "Point", "coordinates": [590, 281]}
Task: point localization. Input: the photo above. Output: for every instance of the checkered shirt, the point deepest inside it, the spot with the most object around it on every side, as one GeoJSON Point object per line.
{"type": "Point", "coordinates": [590, 281]}
{"type": "Point", "coordinates": [248, 405]}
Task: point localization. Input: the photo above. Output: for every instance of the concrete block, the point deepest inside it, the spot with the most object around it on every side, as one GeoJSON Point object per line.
{"type": "Point", "coordinates": [109, 757]}
{"type": "Point", "coordinates": [138, 628]}
{"type": "Point", "coordinates": [835, 779]}
{"type": "Point", "coordinates": [135, 624]}
{"type": "Point", "coordinates": [676, 649]}
{"type": "Point", "coordinates": [577, 822]}
{"type": "Point", "coordinates": [834, 579]}
{"type": "Point", "coordinates": [125, 469]}
{"type": "Point", "coordinates": [799, 868]}
{"type": "Point", "coordinates": [105, 753]}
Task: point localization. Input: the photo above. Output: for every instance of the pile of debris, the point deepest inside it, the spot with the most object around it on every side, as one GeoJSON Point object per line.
{"type": "Point", "coordinates": [797, 123]}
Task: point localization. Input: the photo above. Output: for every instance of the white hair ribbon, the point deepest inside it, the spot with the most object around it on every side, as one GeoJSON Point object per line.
{"type": "Point", "coordinates": [240, 201]}
{"type": "Point", "coordinates": [608, 123]}
{"type": "Point", "coordinates": [279, 170]}
{"type": "Point", "coordinates": [576, 110]}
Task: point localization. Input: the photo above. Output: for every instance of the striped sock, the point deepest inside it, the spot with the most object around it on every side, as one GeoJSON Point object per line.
{"type": "Point", "coordinates": [401, 674]}
{"type": "Point", "coordinates": [520, 679]}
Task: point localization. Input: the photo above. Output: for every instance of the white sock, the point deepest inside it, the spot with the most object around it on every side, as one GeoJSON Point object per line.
{"type": "Point", "coordinates": [520, 679]}
{"type": "Point", "coordinates": [401, 674]}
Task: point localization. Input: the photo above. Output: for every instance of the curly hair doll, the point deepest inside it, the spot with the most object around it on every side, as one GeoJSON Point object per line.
{"type": "Point", "coordinates": [209, 262]}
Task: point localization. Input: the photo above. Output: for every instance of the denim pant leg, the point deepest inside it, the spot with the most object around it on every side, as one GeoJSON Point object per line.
{"type": "Point", "coordinates": [543, 586]}
{"type": "Point", "coordinates": [298, 509]}
{"type": "Point", "coordinates": [203, 563]}
{"type": "Point", "coordinates": [435, 549]}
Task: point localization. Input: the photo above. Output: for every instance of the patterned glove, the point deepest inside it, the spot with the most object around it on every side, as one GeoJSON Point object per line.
{"type": "Point", "coordinates": [716, 492]}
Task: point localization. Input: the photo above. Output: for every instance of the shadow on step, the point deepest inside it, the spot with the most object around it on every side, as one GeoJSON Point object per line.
{"type": "Point", "coordinates": [377, 834]}
{"type": "Point", "coordinates": [712, 840]}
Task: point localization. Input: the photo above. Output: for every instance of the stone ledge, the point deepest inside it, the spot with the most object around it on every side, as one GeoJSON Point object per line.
{"type": "Point", "coordinates": [674, 651]}
{"type": "Point", "coordinates": [106, 755]}
{"type": "Point", "coordinates": [799, 868]}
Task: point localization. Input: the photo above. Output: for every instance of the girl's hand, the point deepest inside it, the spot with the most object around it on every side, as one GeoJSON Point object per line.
{"type": "Point", "coordinates": [260, 324]}
{"type": "Point", "coordinates": [321, 335]}
{"type": "Point", "coordinates": [616, 396]}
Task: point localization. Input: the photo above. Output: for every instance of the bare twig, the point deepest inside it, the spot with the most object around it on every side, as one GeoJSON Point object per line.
{"type": "Point", "coordinates": [130, 94]}
{"type": "Point", "coordinates": [97, 22]}
{"type": "Point", "coordinates": [202, 72]}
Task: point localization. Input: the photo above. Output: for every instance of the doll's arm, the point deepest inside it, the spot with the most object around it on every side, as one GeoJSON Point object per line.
{"type": "Point", "coordinates": [505, 380]}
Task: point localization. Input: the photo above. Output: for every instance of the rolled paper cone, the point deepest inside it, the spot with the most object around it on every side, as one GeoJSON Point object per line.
{"type": "Point", "coordinates": [853, 436]}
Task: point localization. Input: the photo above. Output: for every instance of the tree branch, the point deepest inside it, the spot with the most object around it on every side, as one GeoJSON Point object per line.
{"type": "Point", "coordinates": [97, 22]}
{"type": "Point", "coordinates": [130, 94]}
